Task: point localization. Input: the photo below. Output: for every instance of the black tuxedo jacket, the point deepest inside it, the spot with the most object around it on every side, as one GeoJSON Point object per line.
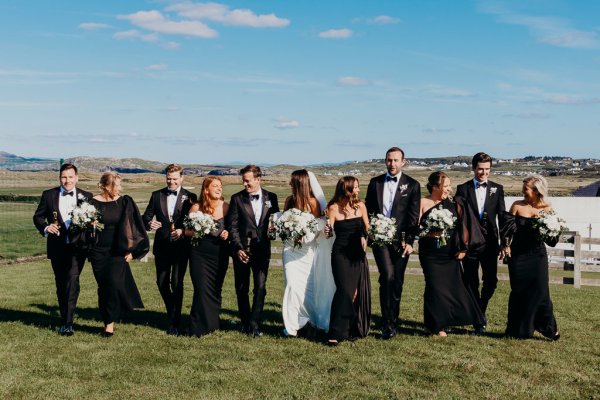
{"type": "Point", "coordinates": [405, 208]}
{"type": "Point", "coordinates": [43, 217]}
{"type": "Point", "coordinates": [157, 207]}
{"type": "Point", "coordinates": [241, 221]}
{"type": "Point", "coordinates": [493, 207]}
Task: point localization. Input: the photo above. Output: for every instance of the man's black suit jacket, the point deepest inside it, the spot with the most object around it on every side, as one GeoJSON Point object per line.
{"type": "Point", "coordinates": [405, 207]}
{"type": "Point", "coordinates": [43, 216]}
{"type": "Point", "coordinates": [493, 207]}
{"type": "Point", "coordinates": [157, 207]}
{"type": "Point", "coordinates": [241, 221]}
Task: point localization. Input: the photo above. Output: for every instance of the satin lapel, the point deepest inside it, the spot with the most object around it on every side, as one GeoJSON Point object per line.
{"type": "Point", "coordinates": [487, 202]}
{"type": "Point", "coordinates": [248, 207]}
{"type": "Point", "coordinates": [472, 197]}
{"type": "Point", "coordinates": [403, 181]}
{"type": "Point", "coordinates": [265, 209]}
{"type": "Point", "coordinates": [379, 192]}
{"type": "Point", "coordinates": [55, 206]}
{"type": "Point", "coordinates": [162, 196]}
{"type": "Point", "coordinates": [178, 205]}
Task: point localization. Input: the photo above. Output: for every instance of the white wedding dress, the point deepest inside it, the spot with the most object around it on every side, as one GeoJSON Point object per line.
{"type": "Point", "coordinates": [309, 285]}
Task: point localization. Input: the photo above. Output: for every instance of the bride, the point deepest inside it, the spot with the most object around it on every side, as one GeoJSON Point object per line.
{"type": "Point", "coordinates": [309, 285]}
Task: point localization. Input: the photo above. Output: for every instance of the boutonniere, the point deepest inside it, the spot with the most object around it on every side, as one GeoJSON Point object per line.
{"type": "Point", "coordinates": [80, 197]}
{"type": "Point", "coordinates": [268, 203]}
{"type": "Point", "coordinates": [183, 198]}
{"type": "Point", "coordinates": [493, 191]}
{"type": "Point", "coordinates": [403, 187]}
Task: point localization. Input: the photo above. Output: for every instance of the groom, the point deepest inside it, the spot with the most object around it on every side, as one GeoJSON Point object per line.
{"type": "Point", "coordinates": [248, 224]}
{"type": "Point", "coordinates": [398, 196]}
{"type": "Point", "coordinates": [52, 219]}
{"type": "Point", "coordinates": [485, 199]}
{"type": "Point", "coordinates": [165, 213]}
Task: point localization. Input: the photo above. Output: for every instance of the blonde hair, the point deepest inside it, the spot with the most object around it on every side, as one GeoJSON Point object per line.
{"type": "Point", "coordinates": [539, 184]}
{"type": "Point", "coordinates": [108, 183]}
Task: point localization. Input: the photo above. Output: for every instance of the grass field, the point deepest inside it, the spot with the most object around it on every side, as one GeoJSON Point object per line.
{"type": "Point", "coordinates": [140, 361]}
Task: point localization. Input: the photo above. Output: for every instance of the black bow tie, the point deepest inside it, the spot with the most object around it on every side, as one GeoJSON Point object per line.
{"type": "Point", "coordinates": [482, 184]}
{"type": "Point", "coordinates": [254, 197]}
{"type": "Point", "coordinates": [67, 193]}
{"type": "Point", "coordinates": [391, 178]}
{"type": "Point", "coordinates": [172, 192]}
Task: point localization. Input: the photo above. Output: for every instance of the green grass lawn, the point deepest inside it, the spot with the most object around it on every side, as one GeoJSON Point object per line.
{"type": "Point", "coordinates": [141, 361]}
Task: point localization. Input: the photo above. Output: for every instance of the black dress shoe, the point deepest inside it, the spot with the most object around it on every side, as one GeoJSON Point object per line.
{"type": "Point", "coordinates": [332, 343]}
{"type": "Point", "coordinates": [479, 330]}
{"type": "Point", "coordinates": [172, 331]}
{"type": "Point", "coordinates": [388, 333]}
{"type": "Point", "coordinates": [556, 336]}
{"type": "Point", "coordinates": [66, 330]}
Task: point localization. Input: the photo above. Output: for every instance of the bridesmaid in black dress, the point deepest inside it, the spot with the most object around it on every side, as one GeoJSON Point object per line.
{"type": "Point", "coordinates": [209, 260]}
{"type": "Point", "coordinates": [351, 305]}
{"type": "Point", "coordinates": [447, 301]}
{"type": "Point", "coordinates": [529, 306]}
{"type": "Point", "coordinates": [122, 239]}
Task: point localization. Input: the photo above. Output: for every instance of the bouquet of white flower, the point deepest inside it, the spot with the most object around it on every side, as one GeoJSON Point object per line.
{"type": "Point", "coordinates": [382, 230]}
{"type": "Point", "coordinates": [439, 220]}
{"type": "Point", "coordinates": [85, 217]}
{"type": "Point", "coordinates": [550, 225]}
{"type": "Point", "coordinates": [297, 227]}
{"type": "Point", "coordinates": [201, 224]}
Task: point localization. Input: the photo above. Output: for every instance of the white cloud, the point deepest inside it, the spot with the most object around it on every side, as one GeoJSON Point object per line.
{"type": "Point", "coordinates": [135, 34]}
{"type": "Point", "coordinates": [157, 67]}
{"type": "Point", "coordinates": [92, 26]}
{"type": "Point", "coordinates": [286, 123]}
{"type": "Point", "coordinates": [352, 81]}
{"type": "Point", "coordinates": [155, 21]}
{"type": "Point", "coordinates": [548, 30]}
{"type": "Point", "coordinates": [221, 13]}
{"type": "Point", "coordinates": [384, 20]}
{"type": "Point", "coordinates": [446, 91]}
{"type": "Point", "coordinates": [336, 34]}
{"type": "Point", "coordinates": [170, 45]}
{"type": "Point", "coordinates": [571, 100]}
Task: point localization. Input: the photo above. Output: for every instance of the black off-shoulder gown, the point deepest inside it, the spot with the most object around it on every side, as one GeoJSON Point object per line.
{"type": "Point", "coordinates": [350, 318]}
{"type": "Point", "coordinates": [529, 306]}
{"type": "Point", "coordinates": [208, 265]}
{"type": "Point", "coordinates": [447, 301]}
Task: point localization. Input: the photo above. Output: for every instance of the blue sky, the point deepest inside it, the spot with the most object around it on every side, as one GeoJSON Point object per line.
{"type": "Point", "coordinates": [299, 81]}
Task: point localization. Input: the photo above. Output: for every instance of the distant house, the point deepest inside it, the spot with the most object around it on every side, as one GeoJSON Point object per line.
{"type": "Point", "coordinates": [588, 191]}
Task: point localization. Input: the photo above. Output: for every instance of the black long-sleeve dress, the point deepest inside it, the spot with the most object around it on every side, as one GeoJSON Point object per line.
{"type": "Point", "coordinates": [123, 232]}
{"type": "Point", "coordinates": [529, 306]}
{"type": "Point", "coordinates": [350, 317]}
{"type": "Point", "coordinates": [208, 265]}
{"type": "Point", "coordinates": [447, 300]}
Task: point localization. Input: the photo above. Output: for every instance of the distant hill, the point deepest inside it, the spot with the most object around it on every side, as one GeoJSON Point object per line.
{"type": "Point", "coordinates": [13, 162]}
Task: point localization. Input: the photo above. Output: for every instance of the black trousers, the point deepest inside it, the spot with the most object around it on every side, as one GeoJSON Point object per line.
{"type": "Point", "coordinates": [391, 266]}
{"type": "Point", "coordinates": [67, 268]}
{"type": "Point", "coordinates": [171, 265]}
{"type": "Point", "coordinates": [489, 268]}
{"type": "Point", "coordinates": [259, 267]}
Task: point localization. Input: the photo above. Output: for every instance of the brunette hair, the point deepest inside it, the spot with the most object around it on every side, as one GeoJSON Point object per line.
{"type": "Point", "coordinates": [301, 191]}
{"type": "Point", "coordinates": [481, 157]}
{"type": "Point", "coordinates": [255, 169]}
{"type": "Point", "coordinates": [67, 166]}
{"type": "Point", "coordinates": [393, 149]}
{"type": "Point", "coordinates": [107, 183]}
{"type": "Point", "coordinates": [174, 168]}
{"type": "Point", "coordinates": [539, 184]}
{"type": "Point", "coordinates": [436, 179]}
{"type": "Point", "coordinates": [343, 192]}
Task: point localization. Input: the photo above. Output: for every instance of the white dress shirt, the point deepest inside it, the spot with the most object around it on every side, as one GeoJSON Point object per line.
{"type": "Point", "coordinates": [480, 192]}
{"type": "Point", "coordinates": [256, 205]}
{"type": "Point", "coordinates": [389, 191]}
{"type": "Point", "coordinates": [66, 204]}
{"type": "Point", "coordinates": [171, 203]}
